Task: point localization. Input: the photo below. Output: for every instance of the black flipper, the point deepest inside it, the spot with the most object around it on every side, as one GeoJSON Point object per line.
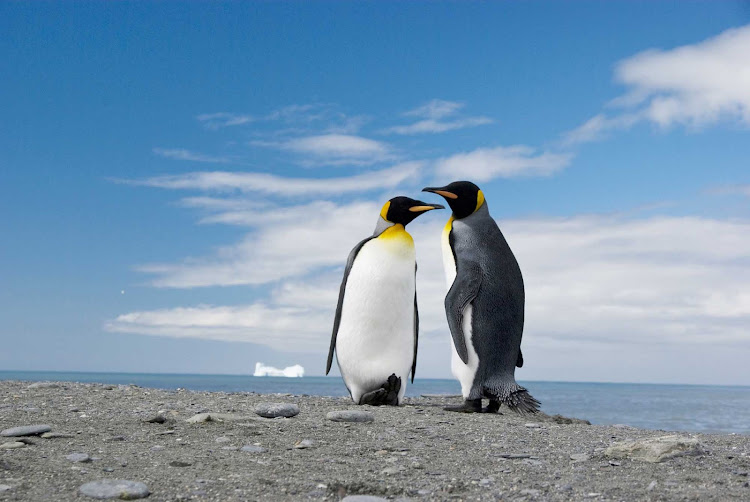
{"type": "Point", "coordinates": [463, 291]}
{"type": "Point", "coordinates": [519, 361]}
{"type": "Point", "coordinates": [468, 406]}
{"type": "Point", "coordinates": [416, 329]}
{"type": "Point", "coordinates": [339, 306]}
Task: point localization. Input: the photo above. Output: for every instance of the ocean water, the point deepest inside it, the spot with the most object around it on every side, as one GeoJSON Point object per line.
{"type": "Point", "coordinates": [692, 408]}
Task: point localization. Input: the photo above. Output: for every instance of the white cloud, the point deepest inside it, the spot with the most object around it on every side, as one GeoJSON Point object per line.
{"type": "Point", "coordinates": [432, 114]}
{"type": "Point", "coordinates": [224, 119]}
{"type": "Point", "coordinates": [693, 85]}
{"type": "Point", "coordinates": [183, 154]}
{"type": "Point", "coordinates": [484, 164]}
{"type": "Point", "coordinates": [285, 243]}
{"type": "Point", "coordinates": [333, 149]}
{"type": "Point", "coordinates": [277, 185]}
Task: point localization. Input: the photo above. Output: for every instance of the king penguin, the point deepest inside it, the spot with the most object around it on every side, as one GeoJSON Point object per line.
{"type": "Point", "coordinates": [484, 304]}
{"type": "Point", "coordinates": [376, 327]}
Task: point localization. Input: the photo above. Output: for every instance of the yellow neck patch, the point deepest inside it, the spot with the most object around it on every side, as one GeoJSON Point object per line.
{"type": "Point", "coordinates": [396, 233]}
{"type": "Point", "coordinates": [384, 211]}
{"type": "Point", "coordinates": [480, 200]}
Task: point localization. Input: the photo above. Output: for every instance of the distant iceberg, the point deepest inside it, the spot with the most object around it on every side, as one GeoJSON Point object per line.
{"type": "Point", "coordinates": [290, 371]}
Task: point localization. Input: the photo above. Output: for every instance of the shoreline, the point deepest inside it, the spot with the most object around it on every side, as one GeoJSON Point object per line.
{"type": "Point", "coordinates": [417, 451]}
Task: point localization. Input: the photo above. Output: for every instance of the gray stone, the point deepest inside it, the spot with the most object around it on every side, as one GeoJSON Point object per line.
{"type": "Point", "coordinates": [222, 439]}
{"type": "Point", "coordinates": [514, 456]}
{"type": "Point", "coordinates": [115, 489]}
{"type": "Point", "coordinates": [530, 492]}
{"type": "Point", "coordinates": [79, 457]}
{"type": "Point", "coordinates": [275, 410]}
{"type": "Point", "coordinates": [5, 488]}
{"type": "Point", "coordinates": [157, 419]}
{"type": "Point", "coordinates": [251, 448]}
{"type": "Point", "coordinates": [305, 443]}
{"type": "Point", "coordinates": [579, 457]}
{"type": "Point", "coordinates": [532, 425]}
{"type": "Point", "coordinates": [55, 435]}
{"type": "Point", "coordinates": [655, 449]}
{"type": "Point", "coordinates": [12, 445]}
{"type": "Point", "coordinates": [218, 417]}
{"type": "Point", "coordinates": [363, 498]}
{"type": "Point", "coordinates": [26, 430]}
{"type": "Point", "coordinates": [179, 463]}
{"type": "Point", "coordinates": [43, 385]}
{"type": "Point", "coordinates": [651, 486]}
{"type": "Point", "coordinates": [350, 416]}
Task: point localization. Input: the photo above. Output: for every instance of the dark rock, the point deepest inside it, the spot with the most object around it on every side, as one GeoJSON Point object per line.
{"type": "Point", "coordinates": [559, 419]}
{"type": "Point", "coordinates": [179, 463]}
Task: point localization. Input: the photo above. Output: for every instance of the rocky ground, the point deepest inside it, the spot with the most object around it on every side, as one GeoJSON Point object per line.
{"type": "Point", "coordinates": [184, 445]}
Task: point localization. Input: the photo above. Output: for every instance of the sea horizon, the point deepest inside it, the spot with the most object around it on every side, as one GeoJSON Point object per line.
{"type": "Point", "coordinates": [720, 409]}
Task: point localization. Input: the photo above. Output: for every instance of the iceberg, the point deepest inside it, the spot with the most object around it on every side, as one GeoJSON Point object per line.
{"type": "Point", "coordinates": [290, 371]}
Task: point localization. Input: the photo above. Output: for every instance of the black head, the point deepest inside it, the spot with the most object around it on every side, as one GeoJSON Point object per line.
{"type": "Point", "coordinates": [464, 197]}
{"type": "Point", "coordinates": [403, 209]}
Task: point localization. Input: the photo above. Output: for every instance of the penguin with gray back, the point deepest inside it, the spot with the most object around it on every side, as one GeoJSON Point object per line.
{"type": "Point", "coordinates": [376, 328]}
{"type": "Point", "coordinates": [484, 304]}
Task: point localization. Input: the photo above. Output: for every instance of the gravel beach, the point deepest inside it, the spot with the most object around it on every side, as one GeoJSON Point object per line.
{"type": "Point", "coordinates": [93, 441]}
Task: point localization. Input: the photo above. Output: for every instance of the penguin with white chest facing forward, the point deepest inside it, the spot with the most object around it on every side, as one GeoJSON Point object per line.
{"type": "Point", "coordinates": [484, 304]}
{"type": "Point", "coordinates": [375, 331]}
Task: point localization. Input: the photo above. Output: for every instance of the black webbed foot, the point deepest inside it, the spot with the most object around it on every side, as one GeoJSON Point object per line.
{"type": "Point", "coordinates": [373, 398]}
{"type": "Point", "coordinates": [492, 407]}
{"type": "Point", "coordinates": [468, 406]}
{"type": "Point", "coordinates": [387, 394]}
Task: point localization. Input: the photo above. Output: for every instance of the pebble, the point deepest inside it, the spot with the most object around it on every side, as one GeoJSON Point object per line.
{"type": "Point", "coordinates": [305, 443]}
{"type": "Point", "coordinates": [656, 449]}
{"type": "Point", "coordinates": [514, 455]}
{"type": "Point", "coordinates": [251, 448]}
{"type": "Point", "coordinates": [43, 385]}
{"type": "Point", "coordinates": [275, 410]}
{"type": "Point", "coordinates": [26, 430]}
{"type": "Point", "coordinates": [222, 439]}
{"type": "Point", "coordinates": [55, 435]}
{"type": "Point", "coordinates": [11, 445]}
{"type": "Point", "coordinates": [363, 498]}
{"type": "Point", "coordinates": [350, 416]}
{"type": "Point", "coordinates": [532, 425]}
{"type": "Point", "coordinates": [179, 463]}
{"type": "Point", "coordinates": [651, 486]}
{"type": "Point", "coordinates": [114, 489]}
{"type": "Point", "coordinates": [157, 419]}
{"type": "Point", "coordinates": [5, 488]}
{"type": "Point", "coordinates": [218, 417]}
{"type": "Point", "coordinates": [531, 492]}
{"type": "Point", "coordinates": [157, 447]}
{"type": "Point", "coordinates": [79, 457]}
{"type": "Point", "coordinates": [579, 457]}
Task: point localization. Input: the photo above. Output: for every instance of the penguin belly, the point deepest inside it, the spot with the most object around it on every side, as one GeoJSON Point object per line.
{"type": "Point", "coordinates": [464, 373]}
{"type": "Point", "coordinates": [376, 334]}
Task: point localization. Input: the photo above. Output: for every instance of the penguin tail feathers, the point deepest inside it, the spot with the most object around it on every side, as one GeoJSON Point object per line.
{"type": "Point", "coordinates": [515, 397]}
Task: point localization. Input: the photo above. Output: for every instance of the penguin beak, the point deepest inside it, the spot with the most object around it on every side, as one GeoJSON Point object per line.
{"type": "Point", "coordinates": [441, 192]}
{"type": "Point", "coordinates": [423, 206]}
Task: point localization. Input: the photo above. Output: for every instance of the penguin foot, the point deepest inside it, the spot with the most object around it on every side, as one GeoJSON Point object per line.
{"type": "Point", "coordinates": [387, 394]}
{"type": "Point", "coordinates": [468, 406]}
{"type": "Point", "coordinates": [373, 398]}
{"type": "Point", "coordinates": [392, 387]}
{"type": "Point", "coordinates": [492, 407]}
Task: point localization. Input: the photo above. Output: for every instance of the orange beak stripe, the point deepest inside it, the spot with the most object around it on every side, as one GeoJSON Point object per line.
{"type": "Point", "coordinates": [446, 194]}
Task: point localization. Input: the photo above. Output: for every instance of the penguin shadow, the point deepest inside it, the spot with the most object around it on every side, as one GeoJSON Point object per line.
{"type": "Point", "coordinates": [386, 395]}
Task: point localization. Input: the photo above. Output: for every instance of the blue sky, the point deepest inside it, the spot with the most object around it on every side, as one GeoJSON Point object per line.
{"type": "Point", "coordinates": [180, 184]}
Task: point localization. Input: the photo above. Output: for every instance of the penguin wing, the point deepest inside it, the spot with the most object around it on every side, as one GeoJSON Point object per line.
{"type": "Point", "coordinates": [463, 291]}
{"type": "Point", "coordinates": [416, 330]}
{"type": "Point", "coordinates": [339, 306]}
